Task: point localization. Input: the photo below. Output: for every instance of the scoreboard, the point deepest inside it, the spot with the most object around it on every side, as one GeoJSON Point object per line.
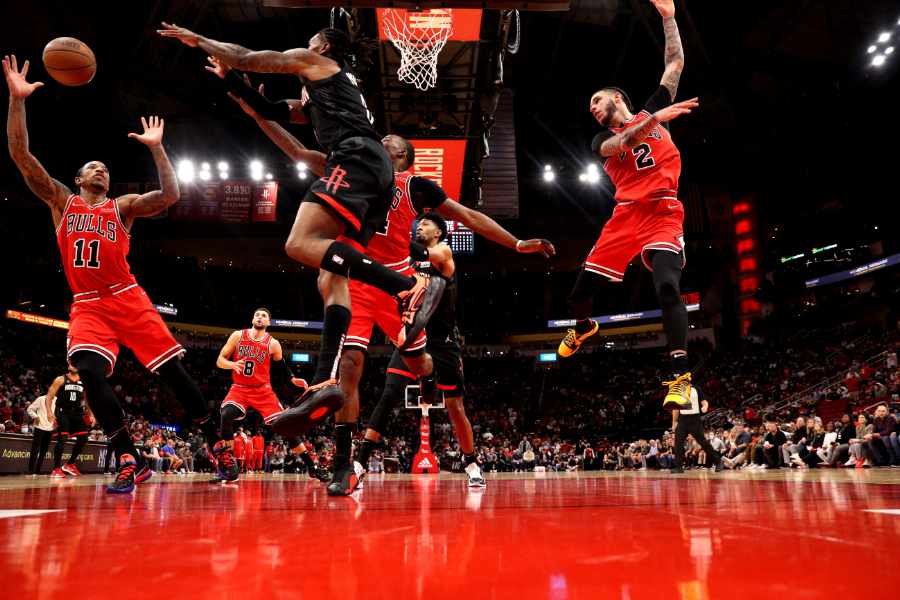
{"type": "Point", "coordinates": [460, 238]}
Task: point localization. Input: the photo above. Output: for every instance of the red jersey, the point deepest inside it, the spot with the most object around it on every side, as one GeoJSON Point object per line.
{"type": "Point", "coordinates": [257, 355]}
{"type": "Point", "coordinates": [412, 194]}
{"type": "Point", "coordinates": [650, 170]}
{"type": "Point", "coordinates": [94, 244]}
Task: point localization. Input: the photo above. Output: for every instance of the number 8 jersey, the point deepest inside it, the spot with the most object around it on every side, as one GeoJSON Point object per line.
{"type": "Point", "coordinates": [650, 170]}
{"type": "Point", "coordinates": [94, 245]}
{"type": "Point", "coordinates": [257, 356]}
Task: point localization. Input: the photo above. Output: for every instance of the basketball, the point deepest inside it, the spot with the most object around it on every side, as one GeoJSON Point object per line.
{"type": "Point", "coordinates": [69, 61]}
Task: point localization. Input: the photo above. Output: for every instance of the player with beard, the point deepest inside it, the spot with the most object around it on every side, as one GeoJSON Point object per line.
{"type": "Point", "coordinates": [109, 308]}
{"type": "Point", "coordinates": [644, 165]}
{"type": "Point", "coordinates": [251, 355]}
{"type": "Point", "coordinates": [70, 420]}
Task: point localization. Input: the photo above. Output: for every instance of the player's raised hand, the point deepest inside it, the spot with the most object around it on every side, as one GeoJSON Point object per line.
{"type": "Point", "coordinates": [153, 131]}
{"type": "Point", "coordinates": [15, 79]}
{"type": "Point", "coordinates": [666, 8]}
{"type": "Point", "coordinates": [216, 67]}
{"type": "Point", "coordinates": [299, 383]}
{"type": "Point", "coordinates": [544, 247]}
{"type": "Point", "coordinates": [182, 34]}
{"type": "Point", "coordinates": [672, 111]}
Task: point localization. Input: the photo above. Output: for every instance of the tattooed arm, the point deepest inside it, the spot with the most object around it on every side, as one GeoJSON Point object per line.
{"type": "Point", "coordinates": [152, 203]}
{"type": "Point", "coordinates": [631, 137]}
{"type": "Point", "coordinates": [51, 191]}
{"type": "Point", "coordinates": [674, 51]}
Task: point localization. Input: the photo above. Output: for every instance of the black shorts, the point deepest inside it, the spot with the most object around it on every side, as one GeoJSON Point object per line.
{"type": "Point", "coordinates": [448, 366]}
{"type": "Point", "coordinates": [358, 186]}
{"type": "Point", "coordinates": [71, 422]}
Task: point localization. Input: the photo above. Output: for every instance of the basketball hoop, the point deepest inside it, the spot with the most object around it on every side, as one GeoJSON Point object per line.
{"type": "Point", "coordinates": [419, 36]}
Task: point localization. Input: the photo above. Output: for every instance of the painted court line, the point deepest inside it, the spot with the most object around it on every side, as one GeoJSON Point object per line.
{"type": "Point", "coordinates": [10, 514]}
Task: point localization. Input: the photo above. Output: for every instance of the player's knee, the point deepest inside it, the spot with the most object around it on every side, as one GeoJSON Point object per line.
{"type": "Point", "coordinates": [418, 362]}
{"type": "Point", "coordinates": [351, 367]}
{"type": "Point", "coordinates": [91, 367]}
{"type": "Point", "coordinates": [230, 413]}
{"type": "Point", "coordinates": [455, 407]}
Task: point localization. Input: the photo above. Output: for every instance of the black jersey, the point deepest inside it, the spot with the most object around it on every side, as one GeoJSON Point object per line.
{"type": "Point", "coordinates": [441, 328]}
{"type": "Point", "coordinates": [70, 395]}
{"type": "Point", "coordinates": [337, 110]}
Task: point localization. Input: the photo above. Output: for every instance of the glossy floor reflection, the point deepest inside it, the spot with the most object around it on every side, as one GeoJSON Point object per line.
{"type": "Point", "coordinates": [559, 537]}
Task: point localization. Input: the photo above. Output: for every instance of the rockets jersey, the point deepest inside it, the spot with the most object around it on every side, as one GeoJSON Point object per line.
{"type": "Point", "coordinates": [412, 195]}
{"type": "Point", "coordinates": [337, 109]}
{"type": "Point", "coordinates": [650, 170]}
{"type": "Point", "coordinates": [94, 244]}
{"type": "Point", "coordinates": [257, 355]}
{"type": "Point", "coordinates": [70, 395]}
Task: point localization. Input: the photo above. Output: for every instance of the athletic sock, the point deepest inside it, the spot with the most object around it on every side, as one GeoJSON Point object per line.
{"type": "Point", "coordinates": [343, 434]}
{"type": "Point", "coordinates": [679, 362]}
{"type": "Point", "coordinates": [582, 326]}
{"type": "Point", "coordinates": [337, 321]}
{"type": "Point", "coordinates": [364, 452]}
{"type": "Point", "coordinates": [121, 441]}
{"type": "Point", "coordinates": [57, 453]}
{"type": "Point", "coordinates": [343, 259]}
{"type": "Point", "coordinates": [468, 459]}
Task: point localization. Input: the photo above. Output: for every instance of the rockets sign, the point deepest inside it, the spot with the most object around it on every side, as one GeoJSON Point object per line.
{"type": "Point", "coordinates": [442, 162]}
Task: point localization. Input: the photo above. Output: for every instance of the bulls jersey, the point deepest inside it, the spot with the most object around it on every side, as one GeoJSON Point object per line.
{"type": "Point", "coordinates": [650, 170]}
{"type": "Point", "coordinates": [412, 195]}
{"type": "Point", "coordinates": [337, 109]}
{"type": "Point", "coordinates": [70, 395]}
{"type": "Point", "coordinates": [442, 327]}
{"type": "Point", "coordinates": [257, 355]}
{"type": "Point", "coordinates": [94, 245]}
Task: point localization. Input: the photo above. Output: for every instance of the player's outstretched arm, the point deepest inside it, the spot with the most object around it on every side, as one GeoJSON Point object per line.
{"type": "Point", "coordinates": [298, 61]}
{"type": "Point", "coordinates": [485, 226]}
{"type": "Point", "coordinates": [284, 111]}
{"type": "Point", "coordinates": [441, 258]}
{"type": "Point", "coordinates": [152, 203]}
{"type": "Point", "coordinates": [51, 191]}
{"type": "Point", "coordinates": [632, 136]}
{"type": "Point", "coordinates": [223, 362]}
{"type": "Point", "coordinates": [674, 50]}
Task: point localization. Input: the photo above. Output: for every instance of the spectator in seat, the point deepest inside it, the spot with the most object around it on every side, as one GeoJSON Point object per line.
{"type": "Point", "coordinates": [860, 438]}
{"type": "Point", "coordinates": [884, 441]}
{"type": "Point", "coordinates": [797, 442]}
{"type": "Point", "coordinates": [772, 444]}
{"type": "Point", "coordinates": [840, 451]}
{"type": "Point", "coordinates": [739, 451]}
{"type": "Point", "coordinates": [829, 441]}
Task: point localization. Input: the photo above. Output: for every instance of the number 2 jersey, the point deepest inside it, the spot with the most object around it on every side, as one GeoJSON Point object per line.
{"type": "Point", "coordinates": [94, 243]}
{"type": "Point", "coordinates": [257, 356]}
{"type": "Point", "coordinates": [650, 170]}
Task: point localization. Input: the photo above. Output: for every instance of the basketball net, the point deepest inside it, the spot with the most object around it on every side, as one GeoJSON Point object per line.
{"type": "Point", "coordinates": [419, 36]}
{"type": "Point", "coordinates": [425, 462]}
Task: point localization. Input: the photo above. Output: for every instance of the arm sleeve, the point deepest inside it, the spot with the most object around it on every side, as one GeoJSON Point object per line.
{"type": "Point", "coordinates": [272, 111]}
{"type": "Point", "coordinates": [599, 139]}
{"type": "Point", "coordinates": [426, 193]}
{"type": "Point", "coordinates": [281, 372]}
{"type": "Point", "coordinates": [661, 98]}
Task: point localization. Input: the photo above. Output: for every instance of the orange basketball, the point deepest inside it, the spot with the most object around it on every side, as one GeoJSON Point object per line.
{"type": "Point", "coordinates": [69, 61]}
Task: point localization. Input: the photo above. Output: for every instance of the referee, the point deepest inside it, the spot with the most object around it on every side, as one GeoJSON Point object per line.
{"type": "Point", "coordinates": [687, 421]}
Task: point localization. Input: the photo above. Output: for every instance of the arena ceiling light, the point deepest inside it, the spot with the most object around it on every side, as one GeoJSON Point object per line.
{"type": "Point", "coordinates": [878, 60]}
{"type": "Point", "coordinates": [884, 36]}
{"type": "Point", "coordinates": [548, 174]}
{"type": "Point", "coordinates": [186, 171]}
{"type": "Point", "coordinates": [222, 165]}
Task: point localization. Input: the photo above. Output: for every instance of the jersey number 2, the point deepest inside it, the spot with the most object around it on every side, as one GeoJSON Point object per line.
{"type": "Point", "coordinates": [93, 261]}
{"type": "Point", "coordinates": [642, 158]}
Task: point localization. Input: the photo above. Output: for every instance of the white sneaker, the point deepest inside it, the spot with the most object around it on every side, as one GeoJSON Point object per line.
{"type": "Point", "coordinates": [851, 462]}
{"type": "Point", "coordinates": [476, 479]}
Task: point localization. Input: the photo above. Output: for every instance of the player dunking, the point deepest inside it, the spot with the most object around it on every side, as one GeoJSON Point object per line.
{"type": "Point", "coordinates": [69, 416]}
{"type": "Point", "coordinates": [342, 209]}
{"type": "Point", "coordinates": [109, 308]}
{"type": "Point", "coordinates": [372, 307]}
{"type": "Point", "coordinates": [643, 163]}
{"type": "Point", "coordinates": [250, 355]}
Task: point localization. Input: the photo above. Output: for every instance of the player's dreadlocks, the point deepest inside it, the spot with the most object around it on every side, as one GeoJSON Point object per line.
{"type": "Point", "coordinates": [355, 53]}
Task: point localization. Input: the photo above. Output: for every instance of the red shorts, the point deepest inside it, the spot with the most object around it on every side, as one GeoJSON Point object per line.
{"type": "Point", "coordinates": [636, 228]}
{"type": "Point", "coordinates": [370, 307]}
{"type": "Point", "coordinates": [99, 324]}
{"type": "Point", "coordinates": [260, 398]}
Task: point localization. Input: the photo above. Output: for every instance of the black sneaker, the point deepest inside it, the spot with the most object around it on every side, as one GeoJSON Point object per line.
{"type": "Point", "coordinates": [319, 472]}
{"type": "Point", "coordinates": [676, 470]}
{"type": "Point", "coordinates": [124, 481]}
{"type": "Point", "coordinates": [226, 468]}
{"type": "Point", "coordinates": [720, 466]}
{"type": "Point", "coordinates": [346, 480]}
{"type": "Point", "coordinates": [315, 404]}
{"type": "Point", "coordinates": [417, 306]}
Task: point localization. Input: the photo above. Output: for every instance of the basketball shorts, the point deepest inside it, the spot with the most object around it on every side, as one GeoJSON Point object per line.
{"type": "Point", "coordinates": [448, 367]}
{"type": "Point", "coordinates": [260, 398]}
{"type": "Point", "coordinates": [371, 307]}
{"type": "Point", "coordinates": [100, 324]}
{"type": "Point", "coordinates": [636, 228]}
{"type": "Point", "coordinates": [71, 422]}
{"type": "Point", "coordinates": [358, 186]}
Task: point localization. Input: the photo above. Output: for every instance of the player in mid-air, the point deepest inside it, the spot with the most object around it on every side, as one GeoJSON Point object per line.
{"type": "Point", "coordinates": [372, 307]}
{"type": "Point", "coordinates": [70, 420]}
{"type": "Point", "coordinates": [109, 308]}
{"type": "Point", "coordinates": [342, 209]}
{"type": "Point", "coordinates": [250, 355]}
{"type": "Point", "coordinates": [643, 163]}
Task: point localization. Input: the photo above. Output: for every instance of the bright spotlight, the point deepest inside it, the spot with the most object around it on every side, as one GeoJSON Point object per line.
{"type": "Point", "coordinates": [871, 49]}
{"type": "Point", "coordinates": [593, 176]}
{"type": "Point", "coordinates": [549, 175]}
{"type": "Point", "coordinates": [878, 60]}
{"type": "Point", "coordinates": [592, 168]}
{"type": "Point", "coordinates": [268, 176]}
{"type": "Point", "coordinates": [205, 175]}
{"type": "Point", "coordinates": [186, 171]}
{"type": "Point", "coordinates": [885, 36]}
{"type": "Point", "coordinates": [256, 176]}
{"type": "Point", "coordinates": [548, 168]}
{"type": "Point", "coordinates": [582, 177]}
{"type": "Point", "coordinates": [223, 174]}
{"type": "Point", "coordinates": [256, 165]}
{"type": "Point", "coordinates": [889, 50]}
{"type": "Point", "coordinates": [301, 174]}
{"type": "Point", "coordinates": [222, 165]}
{"type": "Point", "coordinates": [302, 166]}
{"type": "Point", "coordinates": [205, 166]}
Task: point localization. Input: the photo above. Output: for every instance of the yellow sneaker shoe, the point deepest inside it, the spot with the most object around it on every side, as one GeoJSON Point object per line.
{"type": "Point", "coordinates": [572, 342]}
{"type": "Point", "coordinates": [679, 394]}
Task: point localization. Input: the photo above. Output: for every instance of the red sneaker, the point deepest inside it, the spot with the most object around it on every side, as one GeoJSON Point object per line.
{"type": "Point", "coordinates": [57, 474]}
{"type": "Point", "coordinates": [71, 470]}
{"type": "Point", "coordinates": [860, 462]}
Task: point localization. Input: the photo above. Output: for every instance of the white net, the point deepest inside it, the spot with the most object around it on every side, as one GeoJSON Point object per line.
{"type": "Point", "coordinates": [419, 36]}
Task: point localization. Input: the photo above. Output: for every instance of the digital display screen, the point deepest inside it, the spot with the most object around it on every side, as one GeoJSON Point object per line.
{"type": "Point", "coordinates": [461, 238]}
{"type": "Point", "coordinates": [547, 357]}
{"type": "Point", "coordinates": [300, 357]}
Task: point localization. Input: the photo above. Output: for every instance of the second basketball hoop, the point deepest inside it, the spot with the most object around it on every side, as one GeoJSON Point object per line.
{"type": "Point", "coordinates": [419, 37]}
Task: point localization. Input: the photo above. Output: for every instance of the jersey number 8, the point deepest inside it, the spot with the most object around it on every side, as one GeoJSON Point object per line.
{"type": "Point", "coordinates": [248, 368]}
